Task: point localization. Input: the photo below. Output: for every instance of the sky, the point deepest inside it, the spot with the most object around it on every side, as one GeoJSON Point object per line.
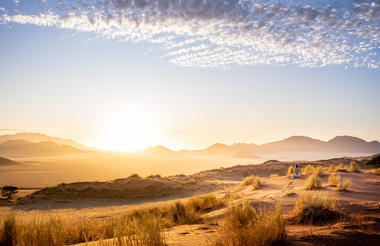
{"type": "Point", "coordinates": [124, 75]}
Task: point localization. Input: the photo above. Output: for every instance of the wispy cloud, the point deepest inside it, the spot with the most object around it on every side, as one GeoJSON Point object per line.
{"type": "Point", "coordinates": [222, 33]}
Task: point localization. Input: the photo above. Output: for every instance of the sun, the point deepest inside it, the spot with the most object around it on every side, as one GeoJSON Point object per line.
{"type": "Point", "coordinates": [128, 130]}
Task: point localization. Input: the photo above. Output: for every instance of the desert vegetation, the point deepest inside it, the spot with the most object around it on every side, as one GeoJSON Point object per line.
{"type": "Point", "coordinates": [252, 180]}
{"type": "Point", "coordinates": [319, 171]}
{"type": "Point", "coordinates": [309, 169]}
{"type": "Point", "coordinates": [345, 185]}
{"type": "Point", "coordinates": [313, 182]}
{"type": "Point", "coordinates": [139, 227]}
{"type": "Point", "coordinates": [290, 170]}
{"type": "Point", "coordinates": [245, 226]}
{"type": "Point", "coordinates": [314, 208]}
{"type": "Point", "coordinates": [274, 175]}
{"type": "Point", "coordinates": [334, 180]}
{"type": "Point", "coordinates": [354, 167]}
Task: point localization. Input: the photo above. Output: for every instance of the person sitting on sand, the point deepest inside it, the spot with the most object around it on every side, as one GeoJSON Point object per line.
{"type": "Point", "coordinates": [297, 173]}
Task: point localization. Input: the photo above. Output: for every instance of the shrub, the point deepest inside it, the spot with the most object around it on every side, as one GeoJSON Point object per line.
{"type": "Point", "coordinates": [334, 180]}
{"type": "Point", "coordinates": [9, 192]}
{"type": "Point", "coordinates": [375, 161]}
{"type": "Point", "coordinates": [290, 171]}
{"type": "Point", "coordinates": [331, 168]}
{"type": "Point", "coordinates": [274, 175]}
{"type": "Point", "coordinates": [319, 171]}
{"type": "Point", "coordinates": [354, 167]}
{"type": "Point", "coordinates": [341, 168]}
{"type": "Point", "coordinates": [313, 182]}
{"type": "Point", "coordinates": [252, 180]}
{"type": "Point", "coordinates": [180, 215]}
{"type": "Point", "coordinates": [375, 171]}
{"type": "Point", "coordinates": [204, 203]}
{"type": "Point", "coordinates": [309, 169]}
{"type": "Point", "coordinates": [314, 208]}
{"type": "Point", "coordinates": [345, 185]}
{"type": "Point", "coordinates": [244, 226]}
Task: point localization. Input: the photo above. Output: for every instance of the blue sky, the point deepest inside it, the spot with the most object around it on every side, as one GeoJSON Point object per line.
{"type": "Point", "coordinates": [74, 81]}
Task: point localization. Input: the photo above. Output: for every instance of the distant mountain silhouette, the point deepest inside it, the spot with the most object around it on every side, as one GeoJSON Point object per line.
{"type": "Point", "coordinates": [244, 154]}
{"type": "Point", "coordinates": [160, 150]}
{"type": "Point", "coordinates": [38, 137]}
{"type": "Point", "coordinates": [6, 162]}
{"type": "Point", "coordinates": [339, 144]}
{"type": "Point", "coordinates": [22, 148]}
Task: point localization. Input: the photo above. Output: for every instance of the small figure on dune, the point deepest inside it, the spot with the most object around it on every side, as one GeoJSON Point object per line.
{"type": "Point", "coordinates": [297, 172]}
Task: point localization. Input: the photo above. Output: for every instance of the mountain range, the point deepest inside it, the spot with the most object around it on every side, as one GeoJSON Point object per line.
{"type": "Point", "coordinates": [36, 144]}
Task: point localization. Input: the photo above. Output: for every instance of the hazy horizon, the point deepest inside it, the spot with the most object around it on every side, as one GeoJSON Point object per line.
{"type": "Point", "coordinates": [125, 75]}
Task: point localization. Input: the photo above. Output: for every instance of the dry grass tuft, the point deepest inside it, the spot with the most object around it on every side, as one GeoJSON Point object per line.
{"type": "Point", "coordinates": [290, 171]}
{"type": "Point", "coordinates": [334, 180]}
{"type": "Point", "coordinates": [319, 171]}
{"type": "Point", "coordinates": [314, 208]}
{"type": "Point", "coordinates": [252, 180]}
{"type": "Point", "coordinates": [274, 175]}
{"type": "Point", "coordinates": [244, 226]}
{"type": "Point", "coordinates": [354, 167]}
{"type": "Point", "coordinates": [345, 185]}
{"type": "Point", "coordinates": [309, 169]}
{"type": "Point", "coordinates": [375, 171]}
{"type": "Point", "coordinates": [341, 168]}
{"type": "Point", "coordinates": [313, 182]}
{"type": "Point", "coordinates": [332, 168]}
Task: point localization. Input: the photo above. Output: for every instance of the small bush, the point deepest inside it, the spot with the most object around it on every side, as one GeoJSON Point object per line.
{"type": "Point", "coordinates": [9, 192]}
{"type": "Point", "coordinates": [331, 168]}
{"type": "Point", "coordinates": [334, 180]}
{"type": "Point", "coordinates": [375, 171]}
{"type": "Point", "coordinates": [345, 185]}
{"type": "Point", "coordinates": [309, 169]}
{"type": "Point", "coordinates": [314, 208]}
{"type": "Point", "coordinates": [274, 175]}
{"type": "Point", "coordinates": [252, 180]}
{"type": "Point", "coordinates": [354, 167]}
{"type": "Point", "coordinates": [180, 215]}
{"type": "Point", "coordinates": [341, 167]}
{"type": "Point", "coordinates": [319, 171]}
{"type": "Point", "coordinates": [374, 162]}
{"type": "Point", "coordinates": [290, 171]}
{"type": "Point", "coordinates": [204, 203]}
{"type": "Point", "coordinates": [313, 182]}
{"type": "Point", "coordinates": [244, 226]}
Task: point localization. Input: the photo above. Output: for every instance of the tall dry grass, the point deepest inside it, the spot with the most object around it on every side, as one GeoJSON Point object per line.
{"type": "Point", "coordinates": [354, 167]}
{"type": "Point", "coordinates": [143, 226]}
{"type": "Point", "coordinates": [345, 185]}
{"type": "Point", "coordinates": [246, 226]}
{"type": "Point", "coordinates": [309, 169]}
{"type": "Point", "coordinates": [334, 180]}
{"type": "Point", "coordinates": [314, 207]}
{"type": "Point", "coordinates": [319, 171]}
{"type": "Point", "coordinates": [252, 180]}
{"type": "Point", "coordinates": [290, 171]}
{"type": "Point", "coordinates": [313, 182]}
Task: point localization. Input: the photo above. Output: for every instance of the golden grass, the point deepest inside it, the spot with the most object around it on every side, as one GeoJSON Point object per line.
{"type": "Point", "coordinates": [314, 207]}
{"type": "Point", "coordinates": [252, 180]}
{"type": "Point", "coordinates": [309, 169]}
{"type": "Point", "coordinates": [274, 175]}
{"type": "Point", "coordinates": [244, 226]}
{"type": "Point", "coordinates": [345, 185]}
{"type": "Point", "coordinates": [319, 171]}
{"type": "Point", "coordinates": [375, 171]}
{"type": "Point", "coordinates": [334, 180]}
{"type": "Point", "coordinates": [354, 167]}
{"type": "Point", "coordinates": [313, 182]}
{"type": "Point", "coordinates": [331, 168]}
{"type": "Point", "coordinates": [137, 227]}
{"type": "Point", "coordinates": [341, 167]}
{"type": "Point", "coordinates": [290, 171]}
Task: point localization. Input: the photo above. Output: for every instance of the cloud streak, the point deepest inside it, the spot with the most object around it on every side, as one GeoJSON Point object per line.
{"type": "Point", "coordinates": [223, 33]}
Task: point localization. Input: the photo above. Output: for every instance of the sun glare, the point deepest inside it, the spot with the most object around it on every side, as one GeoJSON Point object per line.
{"type": "Point", "coordinates": [129, 130]}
